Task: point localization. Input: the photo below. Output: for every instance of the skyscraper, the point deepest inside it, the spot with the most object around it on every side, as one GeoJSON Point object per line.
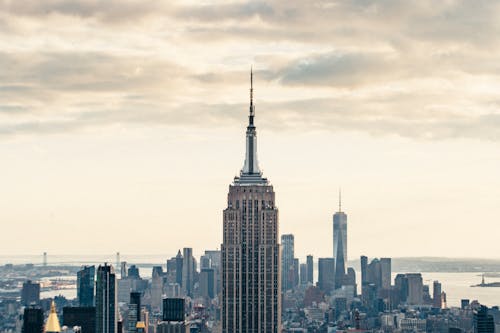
{"type": "Point", "coordinates": [32, 320]}
{"type": "Point", "coordinates": [415, 289]}
{"type": "Point", "coordinates": [85, 285]}
{"type": "Point", "coordinates": [310, 268]}
{"type": "Point", "coordinates": [436, 294]}
{"type": "Point", "coordinates": [178, 270]}
{"type": "Point", "coordinates": [340, 244]}
{"type": "Point", "coordinates": [287, 255]}
{"type": "Point", "coordinates": [326, 274]}
{"type": "Point", "coordinates": [251, 291]}
{"type": "Point", "coordinates": [105, 300]}
{"type": "Point", "coordinates": [303, 274]}
{"type": "Point", "coordinates": [385, 273]}
{"type": "Point", "coordinates": [188, 271]}
{"type": "Point", "coordinates": [482, 321]}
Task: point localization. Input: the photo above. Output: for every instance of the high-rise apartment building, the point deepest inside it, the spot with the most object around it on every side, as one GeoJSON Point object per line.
{"type": "Point", "coordinates": [251, 282]}
{"type": "Point", "coordinates": [310, 268]}
{"type": "Point", "coordinates": [340, 244]}
{"type": "Point", "coordinates": [287, 256]}
{"type": "Point", "coordinates": [85, 280]}
{"type": "Point", "coordinates": [105, 300]}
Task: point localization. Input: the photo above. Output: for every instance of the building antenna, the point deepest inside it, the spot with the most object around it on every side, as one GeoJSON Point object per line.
{"type": "Point", "coordinates": [340, 199]}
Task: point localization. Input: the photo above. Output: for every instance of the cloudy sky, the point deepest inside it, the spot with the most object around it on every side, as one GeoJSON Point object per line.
{"type": "Point", "coordinates": [122, 123]}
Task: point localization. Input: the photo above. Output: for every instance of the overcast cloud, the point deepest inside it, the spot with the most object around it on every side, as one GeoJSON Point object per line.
{"type": "Point", "coordinates": [420, 69]}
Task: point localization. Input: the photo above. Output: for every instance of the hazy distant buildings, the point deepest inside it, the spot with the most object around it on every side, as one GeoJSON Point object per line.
{"type": "Point", "coordinates": [251, 286]}
{"type": "Point", "coordinates": [85, 280]}
{"type": "Point", "coordinates": [340, 245]}
{"type": "Point", "coordinates": [30, 294]}
{"type": "Point", "coordinates": [326, 274]}
{"type": "Point", "coordinates": [105, 301]}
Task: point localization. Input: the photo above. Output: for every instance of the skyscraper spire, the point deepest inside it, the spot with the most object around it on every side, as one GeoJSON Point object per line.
{"type": "Point", "coordinates": [251, 172]}
{"type": "Point", "coordinates": [252, 110]}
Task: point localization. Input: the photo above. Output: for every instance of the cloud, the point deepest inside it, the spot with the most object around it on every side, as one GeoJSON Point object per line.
{"type": "Point", "coordinates": [418, 69]}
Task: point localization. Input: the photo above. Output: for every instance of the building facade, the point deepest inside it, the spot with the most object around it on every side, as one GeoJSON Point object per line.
{"type": "Point", "coordinates": [251, 281]}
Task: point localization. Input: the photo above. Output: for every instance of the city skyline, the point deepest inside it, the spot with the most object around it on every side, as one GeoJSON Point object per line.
{"type": "Point", "coordinates": [122, 132]}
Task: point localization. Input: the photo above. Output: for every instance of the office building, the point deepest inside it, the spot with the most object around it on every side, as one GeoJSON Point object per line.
{"type": "Point", "coordinates": [415, 289]}
{"type": "Point", "coordinates": [310, 269]}
{"type": "Point", "coordinates": [123, 270]}
{"type": "Point", "coordinates": [156, 288]}
{"type": "Point", "coordinates": [173, 309]}
{"type": "Point", "coordinates": [483, 322]}
{"type": "Point", "coordinates": [134, 311]}
{"type": "Point", "coordinates": [287, 255]}
{"type": "Point", "coordinates": [80, 316]}
{"type": "Point", "coordinates": [364, 267]}
{"type": "Point", "coordinates": [207, 282]}
{"type": "Point", "coordinates": [295, 269]}
{"type": "Point", "coordinates": [188, 271]}
{"type": "Point", "coordinates": [326, 274]}
{"type": "Point", "coordinates": [32, 320]}
{"type": "Point", "coordinates": [133, 272]}
{"type": "Point", "coordinates": [105, 300]}
{"type": "Point", "coordinates": [30, 294]}
{"type": "Point", "coordinates": [303, 274]}
{"type": "Point", "coordinates": [436, 294]}
{"type": "Point", "coordinates": [251, 281]}
{"type": "Point", "coordinates": [340, 244]}
{"type": "Point", "coordinates": [178, 263]}
{"type": "Point", "coordinates": [385, 273]}
{"type": "Point", "coordinates": [85, 281]}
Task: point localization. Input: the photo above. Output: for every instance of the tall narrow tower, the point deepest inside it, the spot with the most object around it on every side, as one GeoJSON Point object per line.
{"type": "Point", "coordinates": [251, 284]}
{"type": "Point", "coordinates": [340, 244]}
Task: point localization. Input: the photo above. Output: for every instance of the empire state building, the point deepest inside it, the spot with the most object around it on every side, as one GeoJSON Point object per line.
{"type": "Point", "coordinates": [251, 281]}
